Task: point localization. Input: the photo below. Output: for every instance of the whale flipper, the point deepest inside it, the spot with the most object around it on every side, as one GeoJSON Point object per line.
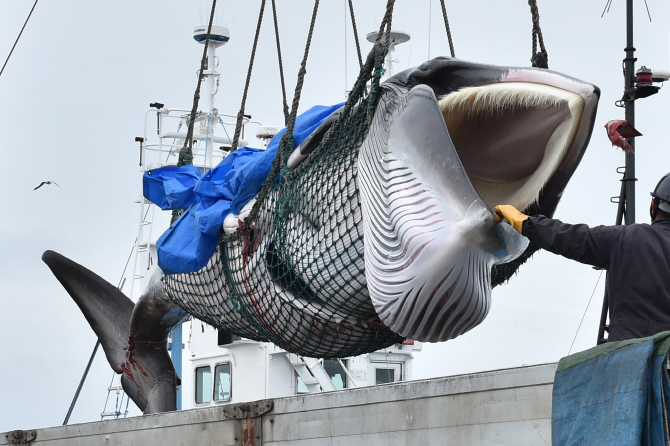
{"type": "Point", "coordinates": [133, 336]}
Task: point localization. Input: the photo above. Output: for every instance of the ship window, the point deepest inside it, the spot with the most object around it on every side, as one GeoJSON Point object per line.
{"type": "Point", "coordinates": [384, 376]}
{"type": "Point", "coordinates": [336, 372]}
{"type": "Point", "coordinates": [203, 385]}
{"type": "Point", "coordinates": [222, 382]}
{"type": "Point", "coordinates": [387, 372]}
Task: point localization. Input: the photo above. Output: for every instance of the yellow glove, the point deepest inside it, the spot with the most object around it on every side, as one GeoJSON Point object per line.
{"type": "Point", "coordinates": [511, 214]}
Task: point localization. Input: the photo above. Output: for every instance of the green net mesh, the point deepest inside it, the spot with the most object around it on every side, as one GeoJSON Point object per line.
{"type": "Point", "coordinates": [294, 273]}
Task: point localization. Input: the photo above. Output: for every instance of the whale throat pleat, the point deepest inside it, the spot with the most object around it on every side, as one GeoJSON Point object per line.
{"type": "Point", "coordinates": [430, 241]}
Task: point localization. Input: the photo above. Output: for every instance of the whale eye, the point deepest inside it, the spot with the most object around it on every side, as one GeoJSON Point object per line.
{"type": "Point", "coordinates": [511, 137]}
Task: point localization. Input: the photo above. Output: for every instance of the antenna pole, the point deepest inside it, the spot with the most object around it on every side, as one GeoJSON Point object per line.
{"type": "Point", "coordinates": [629, 76]}
{"type": "Point", "coordinates": [626, 210]}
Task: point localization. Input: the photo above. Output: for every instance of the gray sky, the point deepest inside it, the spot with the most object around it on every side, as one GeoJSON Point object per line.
{"type": "Point", "coordinates": [73, 98]}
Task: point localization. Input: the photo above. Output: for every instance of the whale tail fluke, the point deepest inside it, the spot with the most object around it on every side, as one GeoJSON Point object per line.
{"type": "Point", "coordinates": [133, 336]}
{"type": "Point", "coordinates": [106, 308]}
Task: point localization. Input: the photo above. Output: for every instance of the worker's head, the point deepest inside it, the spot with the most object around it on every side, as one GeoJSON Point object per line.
{"type": "Point", "coordinates": [660, 204]}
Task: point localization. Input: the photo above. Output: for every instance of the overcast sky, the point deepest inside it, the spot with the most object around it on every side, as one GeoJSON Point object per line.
{"type": "Point", "coordinates": [73, 98]}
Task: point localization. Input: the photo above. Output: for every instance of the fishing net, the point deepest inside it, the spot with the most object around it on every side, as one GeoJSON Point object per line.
{"type": "Point", "coordinates": [294, 272]}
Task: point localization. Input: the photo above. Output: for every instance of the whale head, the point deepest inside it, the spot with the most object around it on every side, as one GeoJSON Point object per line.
{"type": "Point", "coordinates": [450, 140]}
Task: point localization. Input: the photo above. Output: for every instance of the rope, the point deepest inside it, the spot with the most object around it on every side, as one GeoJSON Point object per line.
{"type": "Point", "coordinates": [223, 126]}
{"type": "Point", "coordinates": [186, 152]}
{"type": "Point", "coordinates": [607, 8]}
{"type": "Point", "coordinates": [301, 74]}
{"type": "Point", "coordinates": [584, 315]}
{"type": "Point", "coordinates": [353, 25]}
{"type": "Point", "coordinates": [286, 143]}
{"type": "Point", "coordinates": [281, 66]}
{"type": "Point", "coordinates": [541, 59]}
{"type": "Point", "coordinates": [18, 37]}
{"type": "Point", "coordinates": [252, 284]}
{"type": "Point", "coordinates": [446, 25]}
{"type": "Point", "coordinates": [386, 23]}
{"type": "Point", "coordinates": [379, 64]}
{"type": "Point", "coordinates": [374, 61]}
{"type": "Point", "coordinates": [648, 13]}
{"type": "Point", "coordinates": [240, 114]}
{"type": "Point", "coordinates": [375, 54]}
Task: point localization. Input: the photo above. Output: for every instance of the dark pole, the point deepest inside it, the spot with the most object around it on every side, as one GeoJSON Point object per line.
{"type": "Point", "coordinates": [626, 210]}
{"type": "Point", "coordinates": [629, 74]}
{"type": "Point", "coordinates": [81, 383]}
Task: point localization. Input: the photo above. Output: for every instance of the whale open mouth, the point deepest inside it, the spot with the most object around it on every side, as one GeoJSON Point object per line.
{"type": "Point", "coordinates": [511, 137]}
{"type": "Point", "coordinates": [449, 141]}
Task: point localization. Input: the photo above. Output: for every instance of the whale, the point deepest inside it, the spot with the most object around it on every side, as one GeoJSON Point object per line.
{"type": "Point", "coordinates": [395, 239]}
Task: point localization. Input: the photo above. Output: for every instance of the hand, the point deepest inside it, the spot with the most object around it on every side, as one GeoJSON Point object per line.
{"type": "Point", "coordinates": [511, 214]}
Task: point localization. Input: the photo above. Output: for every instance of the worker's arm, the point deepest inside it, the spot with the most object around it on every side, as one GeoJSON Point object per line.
{"type": "Point", "coordinates": [577, 242]}
{"type": "Point", "coordinates": [592, 246]}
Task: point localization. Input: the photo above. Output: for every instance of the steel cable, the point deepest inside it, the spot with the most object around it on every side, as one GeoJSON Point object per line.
{"type": "Point", "coordinates": [18, 37]}
{"type": "Point", "coordinates": [584, 315]}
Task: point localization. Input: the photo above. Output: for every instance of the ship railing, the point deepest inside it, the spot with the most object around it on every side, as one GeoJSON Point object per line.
{"type": "Point", "coordinates": [212, 137]}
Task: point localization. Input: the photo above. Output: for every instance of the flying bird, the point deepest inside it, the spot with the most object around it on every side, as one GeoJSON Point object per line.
{"type": "Point", "coordinates": [46, 182]}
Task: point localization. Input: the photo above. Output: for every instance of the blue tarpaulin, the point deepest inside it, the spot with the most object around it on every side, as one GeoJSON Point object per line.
{"type": "Point", "coordinates": [171, 187]}
{"type": "Point", "coordinates": [189, 243]}
{"type": "Point", "coordinates": [615, 394]}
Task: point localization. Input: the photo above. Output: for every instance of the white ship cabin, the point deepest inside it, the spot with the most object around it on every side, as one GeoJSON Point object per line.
{"type": "Point", "coordinates": [220, 368]}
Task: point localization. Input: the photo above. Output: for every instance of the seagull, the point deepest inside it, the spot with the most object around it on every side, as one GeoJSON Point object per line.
{"type": "Point", "coordinates": [46, 182]}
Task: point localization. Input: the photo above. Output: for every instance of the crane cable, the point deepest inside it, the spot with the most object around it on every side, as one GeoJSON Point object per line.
{"type": "Point", "coordinates": [584, 315]}
{"type": "Point", "coordinates": [19, 36]}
